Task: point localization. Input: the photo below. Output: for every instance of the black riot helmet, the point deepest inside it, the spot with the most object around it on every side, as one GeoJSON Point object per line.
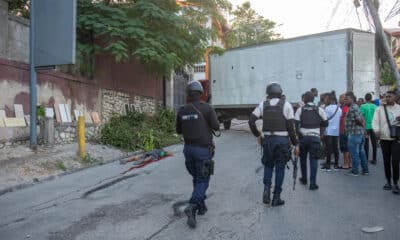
{"type": "Point", "coordinates": [274, 90]}
{"type": "Point", "coordinates": [194, 86]}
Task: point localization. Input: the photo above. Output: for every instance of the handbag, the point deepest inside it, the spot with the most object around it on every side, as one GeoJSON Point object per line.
{"type": "Point", "coordinates": [394, 130]}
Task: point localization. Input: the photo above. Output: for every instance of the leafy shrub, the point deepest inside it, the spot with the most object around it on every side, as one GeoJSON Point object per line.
{"type": "Point", "coordinates": [117, 132]}
{"type": "Point", "coordinates": [138, 131]}
{"type": "Point", "coordinates": [165, 120]}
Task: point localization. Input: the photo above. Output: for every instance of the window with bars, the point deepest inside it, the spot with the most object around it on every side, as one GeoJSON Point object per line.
{"type": "Point", "coordinates": [200, 68]}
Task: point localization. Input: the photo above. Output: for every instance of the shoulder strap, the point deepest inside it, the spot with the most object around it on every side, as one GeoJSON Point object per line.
{"type": "Point", "coordinates": [387, 117]}
{"type": "Point", "coordinates": [281, 103]}
{"type": "Point", "coordinates": [202, 117]}
{"type": "Point", "coordinates": [337, 108]}
{"type": "Point", "coordinates": [266, 103]}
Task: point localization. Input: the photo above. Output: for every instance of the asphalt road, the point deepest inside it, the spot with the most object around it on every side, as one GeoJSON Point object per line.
{"type": "Point", "coordinates": [148, 203]}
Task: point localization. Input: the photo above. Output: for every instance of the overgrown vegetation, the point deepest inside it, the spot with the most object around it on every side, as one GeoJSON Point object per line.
{"type": "Point", "coordinates": [139, 131]}
{"type": "Point", "coordinates": [387, 77]}
{"type": "Point", "coordinates": [160, 34]}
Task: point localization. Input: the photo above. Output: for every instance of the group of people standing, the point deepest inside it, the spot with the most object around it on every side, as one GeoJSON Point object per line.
{"type": "Point", "coordinates": [313, 130]}
{"type": "Point", "coordinates": [356, 125]}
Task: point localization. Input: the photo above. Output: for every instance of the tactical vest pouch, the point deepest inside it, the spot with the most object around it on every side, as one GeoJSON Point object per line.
{"type": "Point", "coordinates": [208, 168]}
{"type": "Point", "coordinates": [317, 151]}
{"type": "Point", "coordinates": [285, 152]}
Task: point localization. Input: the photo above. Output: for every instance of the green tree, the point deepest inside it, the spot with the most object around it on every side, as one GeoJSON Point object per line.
{"type": "Point", "coordinates": [19, 7]}
{"type": "Point", "coordinates": [249, 28]}
{"type": "Point", "coordinates": [152, 31]}
{"type": "Point", "coordinates": [202, 11]}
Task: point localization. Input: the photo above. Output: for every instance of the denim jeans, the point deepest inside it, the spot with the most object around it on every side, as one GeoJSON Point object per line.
{"type": "Point", "coordinates": [195, 158]}
{"type": "Point", "coordinates": [274, 157]}
{"type": "Point", "coordinates": [309, 145]}
{"type": "Point", "coordinates": [357, 153]}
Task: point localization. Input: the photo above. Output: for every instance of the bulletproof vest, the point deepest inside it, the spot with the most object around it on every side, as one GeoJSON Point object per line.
{"type": "Point", "coordinates": [194, 127]}
{"type": "Point", "coordinates": [310, 118]}
{"type": "Point", "coordinates": [273, 118]}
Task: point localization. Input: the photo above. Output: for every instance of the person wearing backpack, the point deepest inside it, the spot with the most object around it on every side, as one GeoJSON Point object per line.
{"type": "Point", "coordinates": [309, 120]}
{"type": "Point", "coordinates": [386, 116]}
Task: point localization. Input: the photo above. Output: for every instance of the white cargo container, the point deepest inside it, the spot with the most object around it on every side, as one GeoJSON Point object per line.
{"type": "Point", "coordinates": [340, 60]}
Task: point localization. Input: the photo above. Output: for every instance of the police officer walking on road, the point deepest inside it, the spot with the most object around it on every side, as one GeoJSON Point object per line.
{"type": "Point", "coordinates": [278, 127]}
{"type": "Point", "coordinates": [309, 119]}
{"type": "Point", "coordinates": [196, 120]}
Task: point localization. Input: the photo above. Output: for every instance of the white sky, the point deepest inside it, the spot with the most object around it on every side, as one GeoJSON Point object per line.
{"type": "Point", "coordinates": [303, 17]}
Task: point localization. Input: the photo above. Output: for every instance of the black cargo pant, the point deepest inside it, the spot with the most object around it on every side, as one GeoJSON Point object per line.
{"type": "Point", "coordinates": [374, 143]}
{"type": "Point", "coordinates": [332, 146]}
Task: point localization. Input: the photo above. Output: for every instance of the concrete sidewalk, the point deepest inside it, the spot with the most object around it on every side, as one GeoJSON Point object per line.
{"type": "Point", "coordinates": [21, 167]}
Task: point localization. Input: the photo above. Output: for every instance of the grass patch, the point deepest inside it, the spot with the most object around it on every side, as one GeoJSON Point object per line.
{"type": "Point", "coordinates": [60, 165]}
{"type": "Point", "coordinates": [88, 159]}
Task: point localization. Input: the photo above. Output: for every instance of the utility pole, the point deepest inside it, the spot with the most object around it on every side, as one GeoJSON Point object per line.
{"type": "Point", "coordinates": [382, 37]}
{"type": "Point", "coordinates": [32, 82]}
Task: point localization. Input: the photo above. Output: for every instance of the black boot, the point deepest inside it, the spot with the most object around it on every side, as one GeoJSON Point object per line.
{"type": "Point", "coordinates": [267, 195]}
{"type": "Point", "coordinates": [276, 200]}
{"type": "Point", "coordinates": [202, 208]}
{"type": "Point", "coordinates": [190, 212]}
{"type": "Point", "coordinates": [303, 180]}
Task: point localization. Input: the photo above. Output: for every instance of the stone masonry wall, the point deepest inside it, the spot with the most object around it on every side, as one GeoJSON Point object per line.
{"type": "Point", "coordinates": [68, 133]}
{"type": "Point", "coordinates": [114, 102]}
{"type": "Point", "coordinates": [146, 104]}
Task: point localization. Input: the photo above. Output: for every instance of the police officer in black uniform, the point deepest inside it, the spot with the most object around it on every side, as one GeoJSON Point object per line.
{"type": "Point", "coordinates": [309, 120]}
{"type": "Point", "coordinates": [278, 127]}
{"type": "Point", "coordinates": [196, 121]}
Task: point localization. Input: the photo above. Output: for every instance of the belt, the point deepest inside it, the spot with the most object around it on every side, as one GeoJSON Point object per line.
{"type": "Point", "coordinates": [311, 135]}
{"type": "Point", "coordinates": [280, 134]}
{"type": "Point", "coordinates": [197, 144]}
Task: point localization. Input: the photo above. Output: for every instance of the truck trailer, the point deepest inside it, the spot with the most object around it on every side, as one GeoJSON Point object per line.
{"type": "Point", "coordinates": [341, 60]}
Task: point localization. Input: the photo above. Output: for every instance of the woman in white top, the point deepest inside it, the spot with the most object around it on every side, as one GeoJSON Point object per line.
{"type": "Point", "coordinates": [333, 113]}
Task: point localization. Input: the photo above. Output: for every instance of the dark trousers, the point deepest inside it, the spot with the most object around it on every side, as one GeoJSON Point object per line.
{"type": "Point", "coordinates": [374, 142]}
{"type": "Point", "coordinates": [195, 159]}
{"type": "Point", "coordinates": [332, 147]}
{"type": "Point", "coordinates": [274, 156]}
{"type": "Point", "coordinates": [309, 145]}
{"type": "Point", "coordinates": [391, 155]}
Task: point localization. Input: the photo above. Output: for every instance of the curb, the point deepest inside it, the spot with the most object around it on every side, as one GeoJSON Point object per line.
{"type": "Point", "coordinates": [54, 176]}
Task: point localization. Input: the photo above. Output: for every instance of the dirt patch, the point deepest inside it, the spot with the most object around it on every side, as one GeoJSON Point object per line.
{"type": "Point", "coordinates": [19, 165]}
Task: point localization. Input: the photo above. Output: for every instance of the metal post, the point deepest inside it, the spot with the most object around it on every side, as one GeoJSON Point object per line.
{"type": "Point", "coordinates": [81, 137]}
{"type": "Point", "coordinates": [382, 36]}
{"type": "Point", "coordinates": [32, 83]}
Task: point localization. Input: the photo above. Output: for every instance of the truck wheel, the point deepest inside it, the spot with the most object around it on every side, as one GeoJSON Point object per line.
{"type": "Point", "coordinates": [227, 124]}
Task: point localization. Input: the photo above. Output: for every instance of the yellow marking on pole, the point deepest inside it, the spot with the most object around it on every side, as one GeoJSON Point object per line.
{"type": "Point", "coordinates": [81, 136]}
